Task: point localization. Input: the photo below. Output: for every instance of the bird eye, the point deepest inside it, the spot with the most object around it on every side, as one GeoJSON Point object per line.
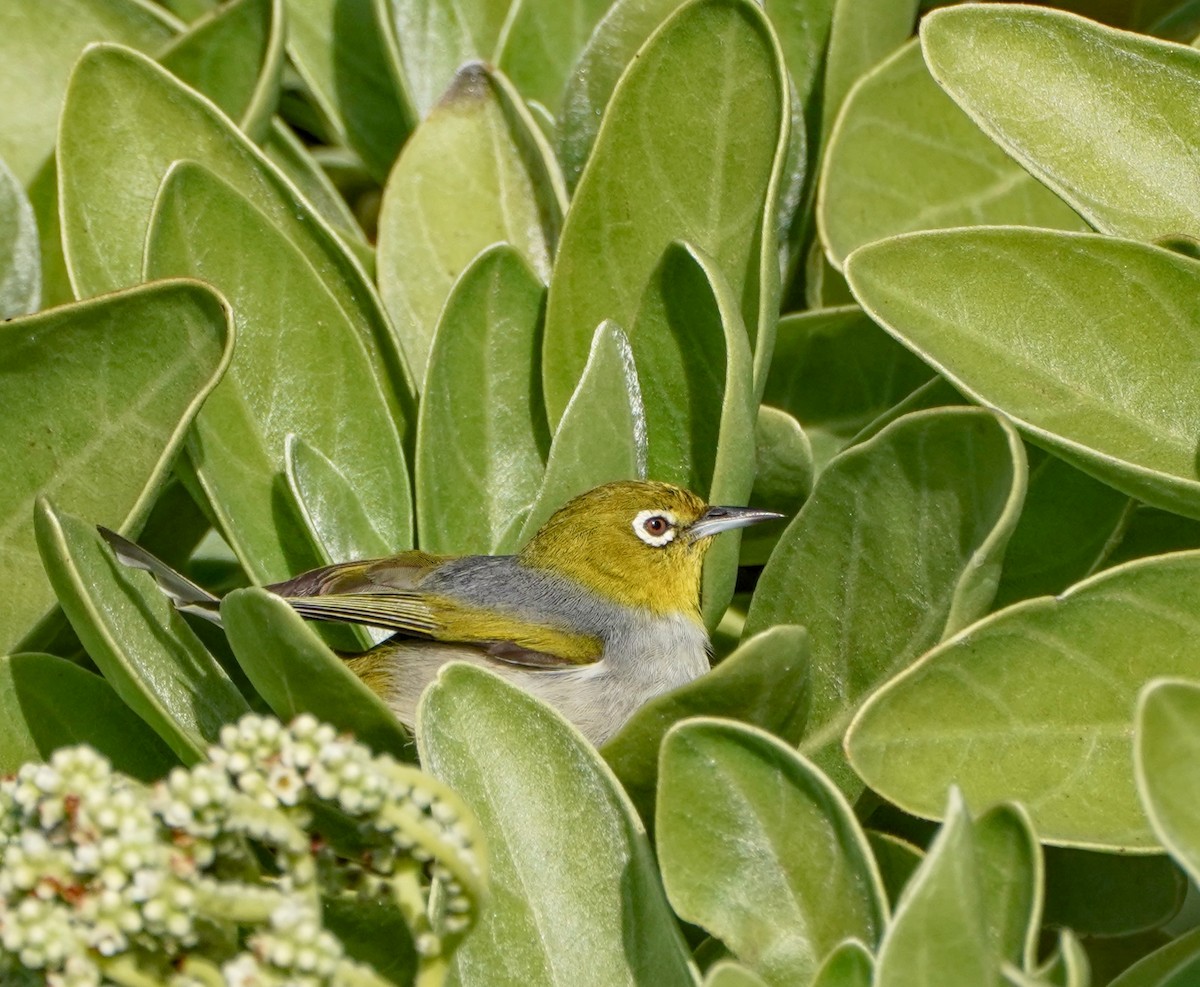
{"type": "Point", "coordinates": [655, 528]}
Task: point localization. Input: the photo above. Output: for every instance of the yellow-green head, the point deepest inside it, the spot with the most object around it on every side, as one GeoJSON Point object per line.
{"type": "Point", "coordinates": [635, 542]}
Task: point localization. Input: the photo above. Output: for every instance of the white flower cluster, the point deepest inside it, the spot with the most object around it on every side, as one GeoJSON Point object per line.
{"type": "Point", "coordinates": [98, 870]}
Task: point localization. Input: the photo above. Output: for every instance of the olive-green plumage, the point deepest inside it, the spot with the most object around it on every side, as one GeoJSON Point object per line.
{"type": "Point", "coordinates": [598, 613]}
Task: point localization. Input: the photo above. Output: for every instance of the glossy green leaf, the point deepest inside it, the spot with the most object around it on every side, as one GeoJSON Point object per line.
{"type": "Point", "coordinates": [124, 123]}
{"type": "Point", "coordinates": [292, 333]}
{"type": "Point", "coordinates": [1102, 380]}
{"type": "Point", "coordinates": [602, 435]}
{"type": "Point", "coordinates": [835, 372]}
{"type": "Point", "coordinates": [234, 56]}
{"type": "Point", "coordinates": [729, 974]}
{"type": "Point", "coordinates": [1069, 99]}
{"type": "Point", "coordinates": [764, 682]}
{"type": "Point", "coordinates": [940, 926]}
{"type": "Point", "coordinates": [1010, 871]}
{"type": "Point", "coordinates": [1110, 894]}
{"type": "Point", "coordinates": [47, 702]}
{"type": "Point", "coordinates": [782, 482]}
{"type": "Point", "coordinates": [97, 399]}
{"type": "Point", "coordinates": [339, 49]}
{"type": "Point", "coordinates": [1068, 526]}
{"type": "Point", "coordinates": [899, 545]}
{"type": "Point", "coordinates": [1155, 969]}
{"type": "Point", "coordinates": [431, 39]}
{"type": "Point", "coordinates": [896, 858]}
{"type": "Point", "coordinates": [20, 253]}
{"type": "Point", "coordinates": [1165, 747]}
{"type": "Point", "coordinates": [799, 876]}
{"type": "Point", "coordinates": [542, 41]}
{"type": "Point", "coordinates": [690, 149]}
{"type": "Point", "coordinates": [541, 794]}
{"type": "Point", "coordinates": [344, 524]}
{"type": "Point", "coordinates": [612, 46]}
{"type": "Point", "coordinates": [473, 174]}
{"type": "Point", "coordinates": [145, 649]}
{"type": "Point", "coordinates": [849, 965]}
{"type": "Point", "coordinates": [904, 157]}
{"type": "Point", "coordinates": [1035, 704]}
{"type": "Point", "coordinates": [863, 34]}
{"type": "Point", "coordinates": [295, 672]}
{"type": "Point", "coordinates": [37, 51]}
{"type": "Point", "coordinates": [482, 437]}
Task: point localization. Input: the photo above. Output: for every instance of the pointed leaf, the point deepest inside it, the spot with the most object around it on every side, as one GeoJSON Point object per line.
{"type": "Point", "coordinates": [1102, 380]}
{"type": "Point", "coordinates": [1035, 704]}
{"type": "Point", "coordinates": [482, 436]}
{"type": "Point", "coordinates": [1010, 871]}
{"type": "Point", "coordinates": [48, 702]}
{"type": "Point", "coordinates": [1165, 745]}
{"type": "Point", "coordinates": [1067, 98]}
{"type": "Point", "coordinates": [147, 652]}
{"type": "Point", "coordinates": [904, 157]}
{"type": "Point", "coordinates": [537, 787]}
{"type": "Point", "coordinates": [471, 176]}
{"type": "Point", "coordinates": [849, 965]}
{"type": "Point", "coordinates": [764, 682]}
{"type": "Point", "coordinates": [782, 481]}
{"type": "Point", "coordinates": [899, 545]}
{"type": "Point", "coordinates": [690, 149]}
{"type": "Point", "coordinates": [20, 253]}
{"type": "Point", "coordinates": [292, 333]}
{"type": "Point", "coordinates": [295, 672]}
{"type": "Point", "coordinates": [799, 876]}
{"type": "Point", "coordinates": [602, 435]}
{"type": "Point", "coordinates": [939, 926]}
{"type": "Point", "coordinates": [136, 367]}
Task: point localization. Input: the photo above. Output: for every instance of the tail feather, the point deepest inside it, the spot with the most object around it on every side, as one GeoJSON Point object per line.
{"type": "Point", "coordinates": [182, 592]}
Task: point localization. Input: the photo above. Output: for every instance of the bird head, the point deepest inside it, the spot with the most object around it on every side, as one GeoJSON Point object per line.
{"type": "Point", "coordinates": [638, 543]}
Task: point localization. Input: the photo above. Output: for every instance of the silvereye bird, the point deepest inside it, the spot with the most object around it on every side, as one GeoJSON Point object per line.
{"type": "Point", "coordinates": [598, 613]}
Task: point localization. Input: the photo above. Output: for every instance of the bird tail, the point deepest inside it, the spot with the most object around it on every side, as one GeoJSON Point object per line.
{"type": "Point", "coordinates": [186, 596]}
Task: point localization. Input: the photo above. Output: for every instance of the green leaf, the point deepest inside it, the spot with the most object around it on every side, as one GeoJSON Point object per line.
{"type": "Point", "coordinates": [898, 546]}
{"type": "Point", "coordinates": [1165, 744]}
{"type": "Point", "coordinates": [690, 149]}
{"type": "Point", "coordinates": [1150, 531]}
{"type": "Point", "coordinates": [48, 702]}
{"type": "Point", "coordinates": [541, 793]}
{"type": "Point", "coordinates": [473, 174]}
{"type": "Point", "coordinates": [541, 42]}
{"type": "Point", "coordinates": [850, 964]}
{"type": "Point", "coordinates": [896, 859]}
{"type": "Point", "coordinates": [125, 121]}
{"type": "Point", "coordinates": [1010, 871]}
{"type": "Point", "coordinates": [1101, 380]}
{"type": "Point", "coordinates": [940, 924]}
{"type": "Point", "coordinates": [1102, 117]}
{"type": "Point", "coordinates": [295, 672]}
{"type": "Point", "coordinates": [482, 436]}
{"type": "Point", "coordinates": [612, 46]}
{"type": "Point", "coordinates": [904, 157]}
{"type": "Point", "coordinates": [782, 482]}
{"type": "Point", "coordinates": [1069, 966]}
{"type": "Point", "coordinates": [764, 682]}
{"type": "Point", "coordinates": [97, 398]}
{"type": "Point", "coordinates": [145, 649]}
{"type": "Point", "coordinates": [1110, 894]}
{"type": "Point", "coordinates": [430, 39]}
{"type": "Point", "coordinates": [797, 879]}
{"type": "Point", "coordinates": [43, 197]}
{"type": "Point", "coordinates": [1067, 528]}
{"type": "Point", "coordinates": [292, 333]}
{"type": "Point", "coordinates": [1035, 704]}
{"type": "Point", "coordinates": [234, 55]}
{"type": "Point", "coordinates": [729, 974]}
{"type": "Point", "coordinates": [835, 371]}
{"type": "Point", "coordinates": [339, 49]}
{"type": "Point", "coordinates": [36, 55]}
{"type": "Point", "coordinates": [602, 435]}
{"type": "Point", "coordinates": [1155, 969]}
{"type": "Point", "coordinates": [804, 31]}
{"type": "Point", "coordinates": [20, 252]}
{"type": "Point", "coordinates": [345, 526]}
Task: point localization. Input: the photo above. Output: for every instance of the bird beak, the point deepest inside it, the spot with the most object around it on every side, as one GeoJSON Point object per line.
{"type": "Point", "coordinates": [718, 519]}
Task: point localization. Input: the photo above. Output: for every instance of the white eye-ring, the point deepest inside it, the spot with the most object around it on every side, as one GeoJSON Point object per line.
{"type": "Point", "coordinates": [655, 528]}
